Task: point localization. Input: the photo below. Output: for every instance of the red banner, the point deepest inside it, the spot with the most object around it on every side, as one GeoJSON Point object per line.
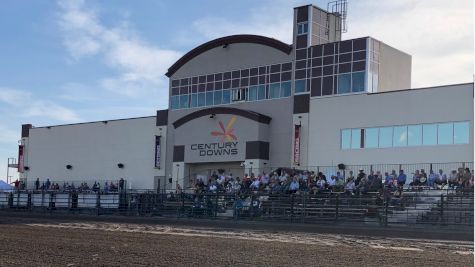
{"type": "Point", "coordinates": [297, 145]}
{"type": "Point", "coordinates": [20, 159]}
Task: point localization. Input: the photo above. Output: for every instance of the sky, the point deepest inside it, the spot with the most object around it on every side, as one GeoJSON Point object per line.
{"type": "Point", "coordinates": [77, 61]}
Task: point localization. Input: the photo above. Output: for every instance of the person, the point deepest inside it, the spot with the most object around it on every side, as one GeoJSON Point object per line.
{"type": "Point", "coordinates": [359, 177]}
{"type": "Point", "coordinates": [121, 184]}
{"type": "Point", "coordinates": [48, 184]}
{"type": "Point", "coordinates": [294, 185]}
{"type": "Point", "coordinates": [423, 178]}
{"type": "Point", "coordinates": [350, 186]}
{"type": "Point", "coordinates": [255, 184]}
{"type": "Point", "coordinates": [453, 179]}
{"type": "Point", "coordinates": [432, 178]}
{"type": "Point", "coordinates": [401, 179]}
{"type": "Point", "coordinates": [37, 183]}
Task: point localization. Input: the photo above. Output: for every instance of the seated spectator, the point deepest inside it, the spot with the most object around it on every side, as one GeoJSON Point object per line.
{"type": "Point", "coordinates": [401, 179]}
{"type": "Point", "coordinates": [255, 184]}
{"type": "Point", "coordinates": [453, 179]}
{"type": "Point", "coordinates": [432, 178]}
{"type": "Point", "coordinates": [350, 186]}
{"type": "Point", "coordinates": [423, 178]}
{"type": "Point", "coordinates": [294, 185]}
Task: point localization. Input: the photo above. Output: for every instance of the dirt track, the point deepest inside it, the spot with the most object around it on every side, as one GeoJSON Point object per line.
{"type": "Point", "coordinates": [125, 244]}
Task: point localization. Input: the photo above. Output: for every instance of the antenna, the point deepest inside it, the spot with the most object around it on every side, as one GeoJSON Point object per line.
{"type": "Point", "coordinates": [338, 8]}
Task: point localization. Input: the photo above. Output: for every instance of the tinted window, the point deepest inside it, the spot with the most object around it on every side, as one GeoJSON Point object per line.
{"type": "Point", "coordinates": [461, 132]}
{"type": "Point", "coordinates": [344, 83]}
{"type": "Point", "coordinates": [429, 134]}
{"type": "Point", "coordinates": [285, 89]}
{"type": "Point", "coordinates": [300, 86]}
{"type": "Point", "coordinates": [201, 99]}
{"type": "Point", "coordinates": [386, 137]}
{"type": "Point", "coordinates": [175, 102]}
{"type": "Point", "coordinates": [194, 100]}
{"type": "Point", "coordinates": [226, 96]}
{"type": "Point", "coordinates": [209, 98]}
{"type": "Point", "coordinates": [355, 138]}
{"type": "Point", "coordinates": [371, 137]}
{"type": "Point", "coordinates": [358, 82]}
{"type": "Point", "coordinates": [217, 97]}
{"type": "Point", "coordinates": [345, 139]}
{"type": "Point", "coordinates": [183, 101]}
{"type": "Point", "coordinates": [274, 90]}
{"type": "Point", "coordinates": [414, 135]}
{"type": "Point", "coordinates": [400, 136]}
{"type": "Point", "coordinates": [253, 93]}
{"type": "Point", "coordinates": [261, 94]}
{"type": "Point", "coordinates": [445, 133]}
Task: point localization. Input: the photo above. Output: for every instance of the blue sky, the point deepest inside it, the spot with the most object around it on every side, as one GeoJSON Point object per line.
{"type": "Point", "coordinates": [74, 61]}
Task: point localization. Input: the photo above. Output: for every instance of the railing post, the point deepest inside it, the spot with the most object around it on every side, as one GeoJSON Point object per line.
{"type": "Point", "coordinates": [303, 212]}
{"type": "Point", "coordinates": [182, 204]}
{"type": "Point", "coordinates": [216, 205]}
{"type": "Point", "coordinates": [292, 208]}
{"type": "Point", "coordinates": [386, 204]}
{"type": "Point", "coordinates": [337, 207]}
{"type": "Point", "coordinates": [441, 208]}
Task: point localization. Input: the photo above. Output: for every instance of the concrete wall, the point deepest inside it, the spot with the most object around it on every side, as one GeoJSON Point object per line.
{"type": "Point", "coordinates": [394, 69]}
{"type": "Point", "coordinates": [328, 116]}
{"type": "Point", "coordinates": [94, 150]}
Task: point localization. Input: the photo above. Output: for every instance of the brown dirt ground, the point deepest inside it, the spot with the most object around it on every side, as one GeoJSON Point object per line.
{"type": "Point", "coordinates": [102, 244]}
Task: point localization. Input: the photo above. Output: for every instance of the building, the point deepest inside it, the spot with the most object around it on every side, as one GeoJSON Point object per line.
{"type": "Point", "coordinates": [246, 103]}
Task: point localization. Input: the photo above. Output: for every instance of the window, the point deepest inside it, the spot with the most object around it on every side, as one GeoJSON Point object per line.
{"type": "Point", "coordinates": [371, 137]}
{"type": "Point", "coordinates": [175, 102]}
{"type": "Point", "coordinates": [274, 90]}
{"type": "Point", "coordinates": [194, 100]}
{"type": "Point", "coordinates": [253, 93]}
{"type": "Point", "coordinates": [356, 138]}
{"type": "Point", "coordinates": [445, 133]}
{"type": "Point", "coordinates": [184, 101]}
{"type": "Point", "coordinates": [261, 93]}
{"type": "Point", "coordinates": [300, 86]}
{"type": "Point", "coordinates": [218, 95]}
{"type": "Point", "coordinates": [302, 28]}
{"type": "Point", "coordinates": [201, 99]}
{"type": "Point", "coordinates": [429, 134]}
{"type": "Point", "coordinates": [209, 98]}
{"type": "Point", "coordinates": [238, 94]}
{"type": "Point", "coordinates": [414, 135]}
{"type": "Point", "coordinates": [400, 136]}
{"type": "Point", "coordinates": [461, 132]}
{"type": "Point", "coordinates": [226, 97]}
{"type": "Point", "coordinates": [385, 137]}
{"type": "Point", "coordinates": [285, 89]}
{"type": "Point", "coordinates": [345, 139]}
{"type": "Point", "coordinates": [358, 81]}
{"type": "Point", "coordinates": [344, 83]}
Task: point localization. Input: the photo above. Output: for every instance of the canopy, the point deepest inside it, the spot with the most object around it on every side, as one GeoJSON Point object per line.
{"type": "Point", "coordinates": [5, 186]}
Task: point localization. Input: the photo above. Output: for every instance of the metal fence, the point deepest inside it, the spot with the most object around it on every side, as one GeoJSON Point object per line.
{"type": "Point", "coordinates": [429, 207]}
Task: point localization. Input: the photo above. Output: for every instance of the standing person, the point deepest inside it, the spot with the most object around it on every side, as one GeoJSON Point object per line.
{"type": "Point", "coordinates": [37, 183]}
{"type": "Point", "coordinates": [401, 179]}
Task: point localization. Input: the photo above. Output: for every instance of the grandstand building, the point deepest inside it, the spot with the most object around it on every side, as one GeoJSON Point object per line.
{"type": "Point", "coordinates": [248, 103]}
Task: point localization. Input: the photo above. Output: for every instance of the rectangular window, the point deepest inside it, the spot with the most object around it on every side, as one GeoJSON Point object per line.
{"type": "Point", "coordinates": [226, 97]}
{"type": "Point", "coordinates": [358, 81]}
{"type": "Point", "coordinates": [371, 137]}
{"type": "Point", "coordinates": [302, 28]}
{"type": "Point", "coordinates": [445, 133]}
{"type": "Point", "coordinates": [355, 138]}
{"type": "Point", "coordinates": [274, 90]}
{"type": "Point", "coordinates": [344, 83]}
{"type": "Point", "coordinates": [194, 100]}
{"type": "Point", "coordinates": [253, 93]}
{"type": "Point", "coordinates": [345, 139]}
{"type": "Point", "coordinates": [261, 93]}
{"type": "Point", "coordinates": [461, 132]}
{"type": "Point", "coordinates": [385, 137]}
{"type": "Point", "coordinates": [429, 134]}
{"type": "Point", "coordinates": [175, 102]}
{"type": "Point", "coordinates": [201, 99]}
{"type": "Point", "coordinates": [184, 101]}
{"type": "Point", "coordinates": [209, 98]}
{"type": "Point", "coordinates": [400, 136]}
{"type": "Point", "coordinates": [414, 135]}
{"type": "Point", "coordinates": [285, 89]}
{"type": "Point", "coordinates": [218, 95]}
{"type": "Point", "coordinates": [300, 86]}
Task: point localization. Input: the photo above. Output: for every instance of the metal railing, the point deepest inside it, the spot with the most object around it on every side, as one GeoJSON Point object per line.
{"type": "Point", "coordinates": [416, 208]}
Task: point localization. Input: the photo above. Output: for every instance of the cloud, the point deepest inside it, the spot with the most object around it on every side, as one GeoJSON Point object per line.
{"type": "Point", "coordinates": [25, 104]}
{"type": "Point", "coordinates": [140, 66]}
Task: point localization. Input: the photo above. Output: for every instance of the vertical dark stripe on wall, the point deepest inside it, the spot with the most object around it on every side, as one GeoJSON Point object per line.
{"type": "Point", "coordinates": [25, 130]}
{"type": "Point", "coordinates": [362, 139]}
{"type": "Point", "coordinates": [178, 153]}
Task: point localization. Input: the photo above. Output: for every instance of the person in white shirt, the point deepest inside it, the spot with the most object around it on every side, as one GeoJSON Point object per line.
{"type": "Point", "coordinates": [350, 186]}
{"type": "Point", "coordinates": [255, 185]}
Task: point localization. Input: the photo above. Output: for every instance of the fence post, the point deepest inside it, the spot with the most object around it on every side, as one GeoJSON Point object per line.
{"type": "Point", "coordinates": [386, 206]}
{"type": "Point", "coordinates": [251, 207]}
{"type": "Point", "coordinates": [303, 211]}
{"type": "Point", "coordinates": [292, 208]}
{"type": "Point", "coordinates": [182, 203]}
{"type": "Point", "coordinates": [441, 208]}
{"type": "Point", "coordinates": [216, 205]}
{"type": "Point", "coordinates": [337, 206]}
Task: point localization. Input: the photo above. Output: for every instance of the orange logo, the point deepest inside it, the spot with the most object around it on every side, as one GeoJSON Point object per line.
{"type": "Point", "coordinates": [226, 133]}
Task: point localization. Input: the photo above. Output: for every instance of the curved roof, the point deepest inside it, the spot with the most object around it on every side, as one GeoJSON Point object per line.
{"type": "Point", "coordinates": [223, 110]}
{"type": "Point", "coordinates": [242, 38]}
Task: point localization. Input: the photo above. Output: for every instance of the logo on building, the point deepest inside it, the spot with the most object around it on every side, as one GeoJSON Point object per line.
{"type": "Point", "coordinates": [228, 132]}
